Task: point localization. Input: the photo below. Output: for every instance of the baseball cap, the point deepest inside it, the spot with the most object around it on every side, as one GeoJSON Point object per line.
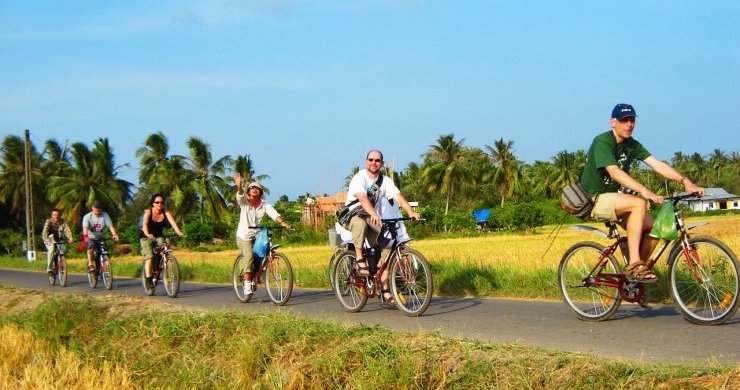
{"type": "Point", "coordinates": [255, 184]}
{"type": "Point", "coordinates": [97, 204]}
{"type": "Point", "coordinates": [623, 110]}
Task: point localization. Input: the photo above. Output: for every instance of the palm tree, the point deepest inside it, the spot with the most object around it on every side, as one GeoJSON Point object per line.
{"type": "Point", "coordinates": [697, 167]}
{"type": "Point", "coordinates": [12, 177]}
{"type": "Point", "coordinates": [446, 167]}
{"type": "Point", "coordinates": [507, 169]}
{"type": "Point", "coordinates": [567, 169]}
{"type": "Point", "coordinates": [245, 166]}
{"type": "Point", "coordinates": [55, 159]}
{"type": "Point", "coordinates": [92, 176]}
{"type": "Point", "coordinates": [208, 178]}
{"type": "Point", "coordinates": [165, 174]}
{"type": "Point", "coordinates": [717, 160]}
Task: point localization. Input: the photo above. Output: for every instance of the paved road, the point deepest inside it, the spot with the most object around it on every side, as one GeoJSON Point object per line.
{"type": "Point", "coordinates": [655, 334]}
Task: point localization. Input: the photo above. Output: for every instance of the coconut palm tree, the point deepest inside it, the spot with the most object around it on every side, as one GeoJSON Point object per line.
{"type": "Point", "coordinates": [56, 160]}
{"type": "Point", "coordinates": [245, 166]}
{"type": "Point", "coordinates": [208, 179]}
{"type": "Point", "coordinates": [567, 167]}
{"type": "Point", "coordinates": [446, 167]}
{"type": "Point", "coordinates": [13, 180]}
{"type": "Point", "coordinates": [93, 175]}
{"type": "Point", "coordinates": [507, 173]}
{"type": "Point", "coordinates": [717, 159]}
{"type": "Point", "coordinates": [165, 174]}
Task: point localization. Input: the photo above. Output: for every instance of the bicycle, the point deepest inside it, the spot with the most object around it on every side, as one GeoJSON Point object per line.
{"type": "Point", "coordinates": [169, 269]}
{"type": "Point", "coordinates": [59, 264]}
{"type": "Point", "coordinates": [274, 270]}
{"type": "Point", "coordinates": [103, 268]}
{"type": "Point", "coordinates": [409, 272]}
{"type": "Point", "coordinates": [702, 275]}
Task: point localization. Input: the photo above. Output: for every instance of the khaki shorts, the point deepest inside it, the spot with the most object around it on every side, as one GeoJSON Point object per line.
{"type": "Point", "coordinates": [605, 208]}
{"type": "Point", "coordinates": [361, 228]}
{"type": "Point", "coordinates": [148, 245]}
{"type": "Point", "coordinates": [245, 248]}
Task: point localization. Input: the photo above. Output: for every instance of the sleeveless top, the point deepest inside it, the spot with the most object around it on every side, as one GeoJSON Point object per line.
{"type": "Point", "coordinates": [155, 228]}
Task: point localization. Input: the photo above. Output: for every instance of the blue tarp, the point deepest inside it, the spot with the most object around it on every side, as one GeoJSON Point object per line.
{"type": "Point", "coordinates": [481, 215]}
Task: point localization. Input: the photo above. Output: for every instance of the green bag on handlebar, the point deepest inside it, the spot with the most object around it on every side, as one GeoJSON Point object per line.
{"type": "Point", "coordinates": [665, 223]}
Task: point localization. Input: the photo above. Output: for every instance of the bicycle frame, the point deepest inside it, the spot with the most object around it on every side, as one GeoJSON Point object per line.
{"type": "Point", "coordinates": [161, 253]}
{"type": "Point", "coordinates": [614, 280]}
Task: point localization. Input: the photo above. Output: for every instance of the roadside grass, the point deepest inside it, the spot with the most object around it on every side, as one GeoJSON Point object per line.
{"type": "Point", "coordinates": [494, 264]}
{"type": "Point", "coordinates": [121, 342]}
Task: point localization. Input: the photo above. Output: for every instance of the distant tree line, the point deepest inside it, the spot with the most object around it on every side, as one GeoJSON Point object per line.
{"type": "Point", "coordinates": [450, 180]}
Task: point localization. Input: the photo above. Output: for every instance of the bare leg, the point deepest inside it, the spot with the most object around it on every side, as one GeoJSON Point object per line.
{"type": "Point", "coordinates": [635, 209]}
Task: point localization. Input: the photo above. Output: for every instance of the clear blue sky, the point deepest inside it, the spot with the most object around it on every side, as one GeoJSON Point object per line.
{"type": "Point", "coordinates": [307, 87]}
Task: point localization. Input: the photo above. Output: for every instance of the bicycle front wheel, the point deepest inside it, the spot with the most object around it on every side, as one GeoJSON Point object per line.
{"type": "Point", "coordinates": [579, 283]}
{"type": "Point", "coordinates": [62, 271]}
{"type": "Point", "coordinates": [704, 283]}
{"type": "Point", "coordinates": [237, 277]}
{"type": "Point", "coordinates": [55, 268]}
{"type": "Point", "coordinates": [349, 287]}
{"type": "Point", "coordinates": [92, 277]}
{"type": "Point", "coordinates": [411, 282]}
{"type": "Point", "coordinates": [332, 264]}
{"type": "Point", "coordinates": [171, 276]}
{"type": "Point", "coordinates": [106, 272]}
{"type": "Point", "coordinates": [147, 291]}
{"type": "Point", "coordinates": [279, 278]}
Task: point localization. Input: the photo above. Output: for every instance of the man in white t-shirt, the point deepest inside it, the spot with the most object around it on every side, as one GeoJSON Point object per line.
{"type": "Point", "coordinates": [364, 192]}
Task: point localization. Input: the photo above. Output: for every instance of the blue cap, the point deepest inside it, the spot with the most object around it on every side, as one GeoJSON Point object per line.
{"type": "Point", "coordinates": [623, 110]}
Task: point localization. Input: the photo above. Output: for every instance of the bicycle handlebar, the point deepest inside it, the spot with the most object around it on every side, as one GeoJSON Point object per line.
{"type": "Point", "coordinates": [678, 198]}
{"type": "Point", "coordinates": [394, 220]}
{"type": "Point", "coordinates": [291, 229]}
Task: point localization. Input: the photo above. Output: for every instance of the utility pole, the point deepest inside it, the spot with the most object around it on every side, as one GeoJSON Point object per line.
{"type": "Point", "coordinates": [30, 242]}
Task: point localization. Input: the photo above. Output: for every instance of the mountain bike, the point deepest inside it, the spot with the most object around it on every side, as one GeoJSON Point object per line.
{"type": "Point", "coordinates": [410, 276]}
{"type": "Point", "coordinates": [59, 264]}
{"type": "Point", "coordinates": [702, 275]}
{"type": "Point", "coordinates": [274, 271]}
{"type": "Point", "coordinates": [103, 268]}
{"type": "Point", "coordinates": [164, 265]}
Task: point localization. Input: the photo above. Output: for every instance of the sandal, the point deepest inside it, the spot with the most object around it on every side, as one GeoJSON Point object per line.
{"type": "Point", "coordinates": [389, 298]}
{"type": "Point", "coordinates": [639, 271]}
{"type": "Point", "coordinates": [361, 266]}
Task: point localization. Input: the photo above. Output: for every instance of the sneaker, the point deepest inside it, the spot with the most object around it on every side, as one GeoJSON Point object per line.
{"type": "Point", "coordinates": [50, 273]}
{"type": "Point", "coordinates": [149, 283]}
{"type": "Point", "coordinates": [248, 288]}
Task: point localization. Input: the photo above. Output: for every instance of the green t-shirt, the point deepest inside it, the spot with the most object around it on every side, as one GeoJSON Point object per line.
{"type": "Point", "coordinates": [605, 151]}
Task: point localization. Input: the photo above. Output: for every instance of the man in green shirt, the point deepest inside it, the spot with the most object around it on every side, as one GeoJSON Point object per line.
{"type": "Point", "coordinates": [606, 178]}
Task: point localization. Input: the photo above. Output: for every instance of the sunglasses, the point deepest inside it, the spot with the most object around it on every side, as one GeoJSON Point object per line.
{"type": "Point", "coordinates": [158, 202]}
{"type": "Point", "coordinates": [374, 160]}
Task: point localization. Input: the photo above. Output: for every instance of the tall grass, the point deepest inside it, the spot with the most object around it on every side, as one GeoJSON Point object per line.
{"type": "Point", "coordinates": [171, 349]}
{"type": "Point", "coordinates": [499, 264]}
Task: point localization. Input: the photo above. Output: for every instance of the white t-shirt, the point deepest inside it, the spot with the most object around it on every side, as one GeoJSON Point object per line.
{"type": "Point", "coordinates": [96, 225]}
{"type": "Point", "coordinates": [252, 216]}
{"type": "Point", "coordinates": [361, 182]}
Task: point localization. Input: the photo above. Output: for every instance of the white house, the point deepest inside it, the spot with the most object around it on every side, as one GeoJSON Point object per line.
{"type": "Point", "coordinates": [715, 199]}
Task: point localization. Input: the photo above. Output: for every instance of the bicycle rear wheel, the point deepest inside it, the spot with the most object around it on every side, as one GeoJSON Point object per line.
{"type": "Point", "coordinates": [147, 291]}
{"type": "Point", "coordinates": [171, 276]}
{"type": "Point", "coordinates": [237, 277]}
{"type": "Point", "coordinates": [278, 278]}
{"type": "Point", "coordinates": [62, 271]}
{"type": "Point", "coordinates": [106, 272]}
{"type": "Point", "coordinates": [411, 282]}
{"type": "Point", "coordinates": [349, 288]}
{"type": "Point", "coordinates": [704, 284]}
{"type": "Point", "coordinates": [577, 279]}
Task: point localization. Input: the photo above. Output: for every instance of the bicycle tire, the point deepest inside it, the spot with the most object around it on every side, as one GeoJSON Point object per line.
{"type": "Point", "coordinates": [171, 276]}
{"type": "Point", "coordinates": [61, 271]}
{"type": "Point", "coordinates": [278, 278]}
{"type": "Point", "coordinates": [712, 300]}
{"type": "Point", "coordinates": [92, 277]}
{"type": "Point", "coordinates": [53, 278]}
{"type": "Point", "coordinates": [332, 264]}
{"type": "Point", "coordinates": [237, 277]}
{"type": "Point", "coordinates": [352, 295]}
{"type": "Point", "coordinates": [411, 282]}
{"type": "Point", "coordinates": [588, 301]}
{"type": "Point", "coordinates": [147, 291]}
{"type": "Point", "coordinates": [106, 272]}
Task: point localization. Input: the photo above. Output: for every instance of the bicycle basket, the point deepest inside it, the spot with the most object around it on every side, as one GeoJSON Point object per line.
{"type": "Point", "coordinates": [261, 243]}
{"type": "Point", "coordinates": [665, 223]}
